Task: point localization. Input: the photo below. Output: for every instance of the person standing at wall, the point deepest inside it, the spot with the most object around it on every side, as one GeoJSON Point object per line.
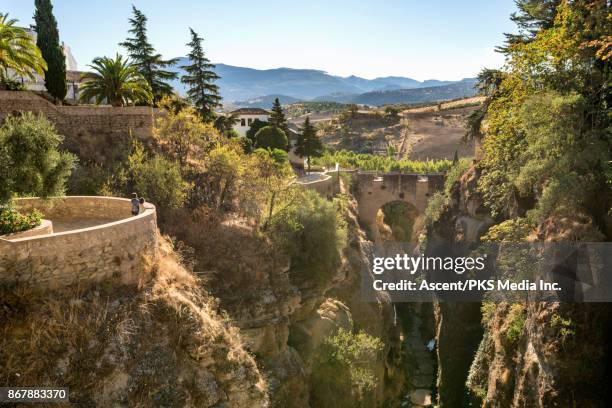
{"type": "Point", "coordinates": [135, 204]}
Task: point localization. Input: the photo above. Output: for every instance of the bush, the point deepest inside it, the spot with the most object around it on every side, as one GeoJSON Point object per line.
{"type": "Point", "coordinates": [224, 167]}
{"type": "Point", "coordinates": [311, 231]}
{"type": "Point", "coordinates": [30, 162]}
{"type": "Point", "coordinates": [441, 198]}
{"type": "Point", "coordinates": [157, 179]}
{"type": "Point", "coordinates": [343, 367]}
{"type": "Point", "coordinates": [271, 137]}
{"type": "Point", "coordinates": [516, 322]}
{"type": "Point", "coordinates": [12, 221]}
{"type": "Point", "coordinates": [365, 161]}
{"type": "Point", "coordinates": [254, 128]}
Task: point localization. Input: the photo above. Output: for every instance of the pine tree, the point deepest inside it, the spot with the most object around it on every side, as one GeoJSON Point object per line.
{"type": "Point", "coordinates": [202, 92]}
{"type": "Point", "coordinates": [150, 64]}
{"type": "Point", "coordinates": [308, 144]}
{"type": "Point", "coordinates": [277, 118]}
{"type": "Point", "coordinates": [47, 40]}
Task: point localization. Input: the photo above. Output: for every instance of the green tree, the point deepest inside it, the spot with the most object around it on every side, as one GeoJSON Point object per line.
{"type": "Point", "coordinates": [271, 137]}
{"type": "Point", "coordinates": [157, 179]}
{"type": "Point", "coordinates": [277, 117]}
{"type": "Point", "coordinates": [225, 124]}
{"type": "Point", "coordinates": [184, 137]}
{"type": "Point", "coordinates": [30, 161]}
{"type": "Point", "coordinates": [343, 366]}
{"type": "Point", "coordinates": [562, 64]}
{"type": "Point", "coordinates": [115, 80]}
{"type": "Point", "coordinates": [308, 143]}
{"type": "Point", "coordinates": [150, 64]}
{"type": "Point", "coordinates": [224, 168]}
{"type": "Point", "coordinates": [200, 77]}
{"type": "Point", "coordinates": [391, 112]}
{"type": "Point", "coordinates": [255, 127]}
{"type": "Point", "coordinates": [18, 52]}
{"type": "Point", "coordinates": [311, 231]}
{"type": "Point", "coordinates": [531, 17]}
{"type": "Point", "coordinates": [48, 42]}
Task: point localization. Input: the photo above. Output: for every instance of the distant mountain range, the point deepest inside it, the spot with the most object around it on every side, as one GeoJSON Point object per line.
{"type": "Point", "coordinates": [249, 87]}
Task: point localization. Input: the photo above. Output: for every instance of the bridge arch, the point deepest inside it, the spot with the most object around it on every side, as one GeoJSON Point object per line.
{"type": "Point", "coordinates": [374, 190]}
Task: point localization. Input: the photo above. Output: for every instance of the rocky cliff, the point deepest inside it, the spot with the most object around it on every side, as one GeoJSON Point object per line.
{"type": "Point", "coordinates": [160, 343]}
{"type": "Point", "coordinates": [284, 317]}
{"type": "Point", "coordinates": [517, 355]}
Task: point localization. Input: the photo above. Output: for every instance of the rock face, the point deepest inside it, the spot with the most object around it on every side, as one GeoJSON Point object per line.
{"type": "Point", "coordinates": [458, 329]}
{"type": "Point", "coordinates": [159, 344]}
{"type": "Point", "coordinates": [283, 320]}
{"type": "Point", "coordinates": [522, 355]}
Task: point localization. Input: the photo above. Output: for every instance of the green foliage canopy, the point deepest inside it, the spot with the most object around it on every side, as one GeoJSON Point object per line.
{"type": "Point", "coordinates": [47, 40]}
{"type": "Point", "coordinates": [116, 81]}
{"type": "Point", "coordinates": [31, 163]}
{"type": "Point", "coordinates": [18, 52]}
{"type": "Point", "coordinates": [271, 137]}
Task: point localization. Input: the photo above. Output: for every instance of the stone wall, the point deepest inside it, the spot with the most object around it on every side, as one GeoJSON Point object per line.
{"type": "Point", "coordinates": [97, 134]}
{"type": "Point", "coordinates": [373, 190]}
{"type": "Point", "coordinates": [328, 185]}
{"type": "Point", "coordinates": [76, 121]}
{"type": "Point", "coordinates": [118, 248]}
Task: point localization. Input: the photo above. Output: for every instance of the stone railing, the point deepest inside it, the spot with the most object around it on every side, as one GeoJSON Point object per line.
{"type": "Point", "coordinates": [115, 246]}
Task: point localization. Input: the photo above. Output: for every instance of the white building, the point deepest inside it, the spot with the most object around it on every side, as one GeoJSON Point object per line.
{"type": "Point", "coordinates": [246, 117]}
{"type": "Point", "coordinates": [73, 76]}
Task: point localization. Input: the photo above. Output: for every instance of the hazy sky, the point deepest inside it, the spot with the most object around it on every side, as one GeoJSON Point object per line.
{"type": "Point", "coordinates": [422, 39]}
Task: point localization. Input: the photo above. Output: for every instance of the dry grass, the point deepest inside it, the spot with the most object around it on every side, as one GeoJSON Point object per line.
{"type": "Point", "coordinates": [160, 342]}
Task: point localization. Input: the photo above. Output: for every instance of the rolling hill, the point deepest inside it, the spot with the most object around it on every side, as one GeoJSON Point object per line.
{"type": "Point", "coordinates": [256, 87]}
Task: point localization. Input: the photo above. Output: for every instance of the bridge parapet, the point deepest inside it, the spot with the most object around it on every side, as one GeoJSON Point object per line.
{"type": "Point", "coordinates": [373, 190]}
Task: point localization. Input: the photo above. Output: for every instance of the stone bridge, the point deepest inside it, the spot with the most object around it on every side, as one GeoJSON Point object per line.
{"type": "Point", "coordinates": [373, 190]}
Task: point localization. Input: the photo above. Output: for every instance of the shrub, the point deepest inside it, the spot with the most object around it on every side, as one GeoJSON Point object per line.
{"type": "Point", "coordinates": [364, 161]}
{"type": "Point", "coordinates": [224, 167]}
{"type": "Point", "coordinates": [12, 221]}
{"type": "Point", "coordinates": [271, 137]}
{"type": "Point", "coordinates": [311, 231]}
{"type": "Point", "coordinates": [516, 322]}
{"type": "Point", "coordinates": [254, 128]}
{"type": "Point", "coordinates": [30, 162]}
{"type": "Point", "coordinates": [343, 367]}
{"type": "Point", "coordinates": [157, 179]}
{"type": "Point", "coordinates": [441, 198]}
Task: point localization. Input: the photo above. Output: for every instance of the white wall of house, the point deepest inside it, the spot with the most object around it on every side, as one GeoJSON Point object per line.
{"type": "Point", "coordinates": [244, 122]}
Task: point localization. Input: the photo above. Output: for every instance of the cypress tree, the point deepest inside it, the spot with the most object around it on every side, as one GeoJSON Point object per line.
{"type": "Point", "coordinates": [150, 64]}
{"type": "Point", "coordinates": [47, 39]}
{"type": "Point", "coordinates": [202, 92]}
{"type": "Point", "coordinates": [277, 118]}
{"type": "Point", "coordinates": [308, 144]}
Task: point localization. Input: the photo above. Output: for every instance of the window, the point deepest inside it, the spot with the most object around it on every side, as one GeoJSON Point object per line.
{"type": "Point", "coordinates": [250, 121]}
{"type": "Point", "coordinates": [242, 122]}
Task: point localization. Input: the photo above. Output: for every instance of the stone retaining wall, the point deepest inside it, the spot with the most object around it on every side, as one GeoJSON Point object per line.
{"type": "Point", "coordinates": [328, 186]}
{"type": "Point", "coordinates": [116, 249]}
{"type": "Point", "coordinates": [76, 121]}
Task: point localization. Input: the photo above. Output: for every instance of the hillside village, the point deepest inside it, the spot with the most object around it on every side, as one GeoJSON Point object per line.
{"type": "Point", "coordinates": [177, 249]}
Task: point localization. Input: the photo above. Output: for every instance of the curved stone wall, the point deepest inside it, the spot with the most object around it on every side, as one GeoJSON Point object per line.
{"type": "Point", "coordinates": [327, 184]}
{"type": "Point", "coordinates": [113, 247]}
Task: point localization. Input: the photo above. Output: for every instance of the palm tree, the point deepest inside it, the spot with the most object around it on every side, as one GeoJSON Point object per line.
{"type": "Point", "coordinates": [18, 52]}
{"type": "Point", "coordinates": [115, 80]}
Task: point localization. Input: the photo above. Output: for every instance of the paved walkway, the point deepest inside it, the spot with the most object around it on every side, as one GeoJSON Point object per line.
{"type": "Point", "coordinates": [72, 224]}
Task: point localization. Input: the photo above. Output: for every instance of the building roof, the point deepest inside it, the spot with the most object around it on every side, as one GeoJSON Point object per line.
{"type": "Point", "coordinates": [250, 111]}
{"type": "Point", "coordinates": [74, 76]}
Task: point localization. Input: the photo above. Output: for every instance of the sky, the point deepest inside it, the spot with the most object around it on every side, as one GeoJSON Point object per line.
{"type": "Point", "coordinates": [420, 39]}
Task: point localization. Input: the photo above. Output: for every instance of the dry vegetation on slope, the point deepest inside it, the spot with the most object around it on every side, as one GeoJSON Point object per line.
{"type": "Point", "coordinates": [428, 132]}
{"type": "Point", "coordinates": [160, 344]}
